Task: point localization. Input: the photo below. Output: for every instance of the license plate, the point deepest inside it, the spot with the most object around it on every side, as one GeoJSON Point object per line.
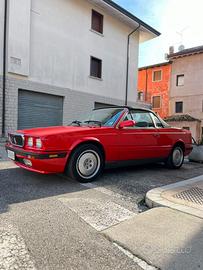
{"type": "Point", "coordinates": [11, 155]}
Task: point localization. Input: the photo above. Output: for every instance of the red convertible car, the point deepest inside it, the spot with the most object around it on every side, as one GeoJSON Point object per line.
{"type": "Point", "coordinates": [107, 137]}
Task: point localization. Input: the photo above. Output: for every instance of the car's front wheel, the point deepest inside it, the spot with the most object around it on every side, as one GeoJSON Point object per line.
{"type": "Point", "coordinates": [176, 158]}
{"type": "Point", "coordinates": [86, 163]}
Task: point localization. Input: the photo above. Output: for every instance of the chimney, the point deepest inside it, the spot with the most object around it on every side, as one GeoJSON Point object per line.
{"type": "Point", "coordinates": [171, 50]}
{"type": "Point", "coordinates": [166, 56]}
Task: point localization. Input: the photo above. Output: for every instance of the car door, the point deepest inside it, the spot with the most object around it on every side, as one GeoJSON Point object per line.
{"type": "Point", "coordinates": [165, 139]}
{"type": "Point", "coordinates": [140, 141]}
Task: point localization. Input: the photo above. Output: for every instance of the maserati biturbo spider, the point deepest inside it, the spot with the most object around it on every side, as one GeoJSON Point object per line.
{"type": "Point", "coordinates": [113, 136]}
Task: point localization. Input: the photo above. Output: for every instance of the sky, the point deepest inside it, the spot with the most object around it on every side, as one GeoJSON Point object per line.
{"type": "Point", "coordinates": [179, 21]}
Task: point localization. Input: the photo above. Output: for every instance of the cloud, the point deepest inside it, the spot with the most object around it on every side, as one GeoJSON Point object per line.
{"type": "Point", "coordinates": [168, 17]}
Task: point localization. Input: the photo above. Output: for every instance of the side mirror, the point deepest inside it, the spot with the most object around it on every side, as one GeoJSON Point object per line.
{"type": "Point", "coordinates": [127, 123]}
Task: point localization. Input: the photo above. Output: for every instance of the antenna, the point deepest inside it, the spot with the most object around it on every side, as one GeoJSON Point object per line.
{"type": "Point", "coordinates": [180, 33]}
{"type": "Point", "coordinates": [181, 48]}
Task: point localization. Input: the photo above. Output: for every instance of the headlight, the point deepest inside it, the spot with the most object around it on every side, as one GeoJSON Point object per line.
{"type": "Point", "coordinates": [38, 143]}
{"type": "Point", "coordinates": [30, 142]}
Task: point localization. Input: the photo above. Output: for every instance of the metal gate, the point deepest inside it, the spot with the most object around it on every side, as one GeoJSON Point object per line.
{"type": "Point", "coordinates": [98, 105]}
{"type": "Point", "coordinates": [39, 110]}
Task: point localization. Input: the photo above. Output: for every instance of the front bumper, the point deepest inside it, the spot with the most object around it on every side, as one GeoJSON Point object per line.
{"type": "Point", "coordinates": [42, 162]}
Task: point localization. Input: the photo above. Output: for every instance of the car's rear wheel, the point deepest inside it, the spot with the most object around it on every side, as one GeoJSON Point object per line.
{"type": "Point", "coordinates": [176, 158]}
{"type": "Point", "coordinates": [86, 163]}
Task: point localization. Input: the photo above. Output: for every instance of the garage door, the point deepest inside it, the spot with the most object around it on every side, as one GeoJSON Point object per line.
{"type": "Point", "coordinates": [98, 105]}
{"type": "Point", "coordinates": [39, 110]}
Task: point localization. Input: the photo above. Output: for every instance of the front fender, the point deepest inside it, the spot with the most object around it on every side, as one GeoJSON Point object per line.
{"type": "Point", "coordinates": [83, 140]}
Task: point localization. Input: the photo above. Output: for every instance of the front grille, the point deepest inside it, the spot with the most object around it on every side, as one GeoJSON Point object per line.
{"type": "Point", "coordinates": [17, 139]}
{"type": "Point", "coordinates": [20, 160]}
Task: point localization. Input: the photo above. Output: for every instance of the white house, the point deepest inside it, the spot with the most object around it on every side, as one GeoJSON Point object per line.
{"type": "Point", "coordinates": [64, 57]}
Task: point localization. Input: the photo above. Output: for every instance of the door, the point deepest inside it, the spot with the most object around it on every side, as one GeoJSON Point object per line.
{"type": "Point", "coordinates": [139, 142]}
{"type": "Point", "coordinates": [39, 110]}
{"type": "Point", "coordinates": [165, 138]}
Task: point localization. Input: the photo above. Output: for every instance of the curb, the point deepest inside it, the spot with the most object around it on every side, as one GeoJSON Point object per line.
{"type": "Point", "coordinates": [154, 198]}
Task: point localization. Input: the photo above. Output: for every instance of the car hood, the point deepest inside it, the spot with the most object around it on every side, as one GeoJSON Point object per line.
{"type": "Point", "coordinates": [41, 132]}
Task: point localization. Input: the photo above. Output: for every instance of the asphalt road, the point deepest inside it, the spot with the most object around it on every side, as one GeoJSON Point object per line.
{"type": "Point", "coordinates": [51, 222]}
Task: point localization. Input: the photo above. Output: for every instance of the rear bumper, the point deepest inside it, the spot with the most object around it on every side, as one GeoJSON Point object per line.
{"type": "Point", "coordinates": [41, 162]}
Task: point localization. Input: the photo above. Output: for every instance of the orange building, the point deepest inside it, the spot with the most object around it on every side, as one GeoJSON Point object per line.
{"type": "Point", "coordinates": [154, 85]}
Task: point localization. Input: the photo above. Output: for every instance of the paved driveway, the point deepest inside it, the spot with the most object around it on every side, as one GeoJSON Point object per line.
{"type": "Point", "coordinates": [51, 222]}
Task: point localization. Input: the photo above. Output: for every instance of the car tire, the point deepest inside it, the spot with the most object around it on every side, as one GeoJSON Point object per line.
{"type": "Point", "coordinates": [85, 164]}
{"type": "Point", "coordinates": [176, 158]}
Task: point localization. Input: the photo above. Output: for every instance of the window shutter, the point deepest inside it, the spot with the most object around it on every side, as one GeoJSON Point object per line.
{"type": "Point", "coordinates": [97, 22]}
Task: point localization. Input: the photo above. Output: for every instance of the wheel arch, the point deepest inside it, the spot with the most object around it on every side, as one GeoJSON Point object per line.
{"type": "Point", "coordinates": [181, 144]}
{"type": "Point", "coordinates": [92, 141]}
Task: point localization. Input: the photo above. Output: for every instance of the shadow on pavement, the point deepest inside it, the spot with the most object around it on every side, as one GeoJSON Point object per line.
{"type": "Point", "coordinates": [18, 185]}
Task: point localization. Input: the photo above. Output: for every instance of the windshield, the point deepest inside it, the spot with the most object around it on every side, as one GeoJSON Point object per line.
{"type": "Point", "coordinates": [106, 117]}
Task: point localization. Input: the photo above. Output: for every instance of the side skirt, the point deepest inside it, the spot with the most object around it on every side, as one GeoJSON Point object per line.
{"type": "Point", "coordinates": [126, 163]}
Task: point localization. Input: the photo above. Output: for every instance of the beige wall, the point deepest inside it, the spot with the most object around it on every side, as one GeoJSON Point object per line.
{"type": "Point", "coordinates": [191, 94]}
{"type": "Point", "coordinates": [195, 127]}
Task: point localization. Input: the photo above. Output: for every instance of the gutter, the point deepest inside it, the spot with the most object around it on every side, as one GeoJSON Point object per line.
{"type": "Point", "coordinates": [4, 68]}
{"type": "Point", "coordinates": [131, 16]}
{"type": "Point", "coordinates": [127, 68]}
{"type": "Point", "coordinates": [146, 85]}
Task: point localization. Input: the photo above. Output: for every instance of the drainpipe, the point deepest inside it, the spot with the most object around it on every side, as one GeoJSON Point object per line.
{"type": "Point", "coordinates": [127, 69]}
{"type": "Point", "coordinates": [146, 85]}
{"type": "Point", "coordinates": [4, 69]}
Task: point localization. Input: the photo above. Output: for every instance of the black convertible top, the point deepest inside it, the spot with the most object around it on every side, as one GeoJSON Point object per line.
{"type": "Point", "coordinates": [124, 107]}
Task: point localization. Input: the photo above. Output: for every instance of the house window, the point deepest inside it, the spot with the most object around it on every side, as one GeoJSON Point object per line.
{"type": "Point", "coordinates": [95, 67]}
{"type": "Point", "coordinates": [179, 107]}
{"type": "Point", "coordinates": [156, 102]}
{"type": "Point", "coordinates": [157, 75]}
{"type": "Point", "coordinates": [97, 21]}
{"type": "Point", "coordinates": [140, 96]}
{"type": "Point", "coordinates": [180, 80]}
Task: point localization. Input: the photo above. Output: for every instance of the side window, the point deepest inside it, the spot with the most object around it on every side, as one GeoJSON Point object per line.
{"type": "Point", "coordinates": [157, 121]}
{"type": "Point", "coordinates": [142, 119]}
{"type": "Point", "coordinates": [128, 117]}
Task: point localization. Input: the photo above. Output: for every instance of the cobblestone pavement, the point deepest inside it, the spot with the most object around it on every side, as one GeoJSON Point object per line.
{"type": "Point", "coordinates": [13, 252]}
